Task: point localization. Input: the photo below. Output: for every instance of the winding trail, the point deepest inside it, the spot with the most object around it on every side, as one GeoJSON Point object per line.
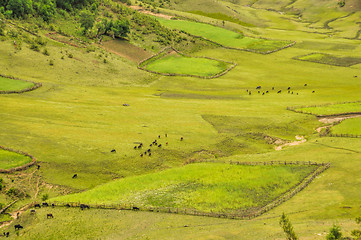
{"type": "Point", "coordinates": [300, 140]}
{"type": "Point", "coordinates": [335, 119]}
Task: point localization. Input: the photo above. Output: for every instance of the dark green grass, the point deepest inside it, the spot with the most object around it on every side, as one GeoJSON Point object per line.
{"type": "Point", "coordinates": [330, 59]}
{"type": "Point", "coordinates": [177, 64]}
{"type": "Point", "coordinates": [7, 84]}
{"type": "Point", "coordinates": [201, 186]}
{"type": "Point", "coordinates": [10, 159]}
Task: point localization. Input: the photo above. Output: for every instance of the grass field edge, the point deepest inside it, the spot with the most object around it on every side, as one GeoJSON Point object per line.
{"type": "Point", "coordinates": [321, 167]}
{"type": "Point", "coordinates": [36, 86]}
{"type": "Point", "coordinates": [20, 168]}
{"type": "Point", "coordinates": [142, 65]}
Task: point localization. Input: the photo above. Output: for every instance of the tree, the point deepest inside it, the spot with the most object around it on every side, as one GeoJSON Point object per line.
{"type": "Point", "coordinates": [287, 227]}
{"type": "Point", "coordinates": [120, 28]}
{"type": "Point", "coordinates": [335, 233]}
{"type": "Point", "coordinates": [86, 20]}
{"type": "Point", "coordinates": [20, 8]}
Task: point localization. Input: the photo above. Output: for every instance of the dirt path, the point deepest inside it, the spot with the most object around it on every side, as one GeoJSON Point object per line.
{"type": "Point", "coordinates": [335, 119]}
{"type": "Point", "coordinates": [300, 140]}
{"type": "Point", "coordinates": [140, 9]}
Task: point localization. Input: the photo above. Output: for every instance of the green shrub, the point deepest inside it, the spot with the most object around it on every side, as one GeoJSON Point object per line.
{"type": "Point", "coordinates": [51, 62]}
{"type": "Point", "coordinates": [341, 3]}
{"type": "Point", "coordinates": [46, 52]}
{"type": "Point", "coordinates": [35, 47]}
{"type": "Point", "coordinates": [45, 197]}
{"type": "Point", "coordinates": [335, 233]}
{"type": "Point", "coordinates": [70, 55]}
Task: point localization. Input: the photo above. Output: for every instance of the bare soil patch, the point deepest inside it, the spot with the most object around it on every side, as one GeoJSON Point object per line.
{"type": "Point", "coordinates": [126, 50]}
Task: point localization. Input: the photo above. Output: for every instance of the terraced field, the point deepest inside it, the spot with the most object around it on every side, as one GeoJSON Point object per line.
{"type": "Point", "coordinates": [11, 159]}
{"type": "Point", "coordinates": [225, 37]}
{"type": "Point", "coordinates": [7, 84]}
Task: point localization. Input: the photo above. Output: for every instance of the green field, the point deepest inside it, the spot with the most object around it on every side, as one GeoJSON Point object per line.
{"type": "Point", "coordinates": [332, 109]}
{"type": "Point", "coordinates": [10, 159]}
{"type": "Point", "coordinates": [204, 187]}
{"type": "Point", "coordinates": [348, 126]}
{"type": "Point", "coordinates": [7, 84]}
{"type": "Point", "coordinates": [224, 37]}
{"type": "Point", "coordinates": [94, 100]}
{"type": "Point", "coordinates": [330, 60]}
{"type": "Point", "coordinates": [178, 64]}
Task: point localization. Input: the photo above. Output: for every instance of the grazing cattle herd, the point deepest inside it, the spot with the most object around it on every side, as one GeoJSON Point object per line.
{"type": "Point", "coordinates": [148, 152]}
{"type": "Point", "coordinates": [258, 88]}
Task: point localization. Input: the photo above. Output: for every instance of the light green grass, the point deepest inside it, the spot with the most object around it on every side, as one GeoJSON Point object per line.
{"type": "Point", "coordinates": [10, 159]}
{"type": "Point", "coordinates": [333, 109]}
{"type": "Point", "coordinates": [223, 36]}
{"type": "Point", "coordinates": [348, 126]}
{"type": "Point", "coordinates": [202, 186]}
{"type": "Point", "coordinates": [178, 64]}
{"type": "Point", "coordinates": [7, 84]}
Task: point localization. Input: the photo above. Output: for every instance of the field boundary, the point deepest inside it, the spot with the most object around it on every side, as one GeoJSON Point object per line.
{"type": "Point", "coordinates": [326, 54]}
{"type": "Point", "coordinates": [321, 167]}
{"type": "Point", "coordinates": [234, 48]}
{"type": "Point", "coordinates": [36, 86]}
{"type": "Point", "coordinates": [295, 109]}
{"type": "Point", "coordinates": [142, 64]}
{"type": "Point", "coordinates": [20, 168]}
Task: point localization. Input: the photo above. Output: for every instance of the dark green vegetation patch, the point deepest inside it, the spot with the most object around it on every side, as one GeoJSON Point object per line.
{"type": "Point", "coordinates": [330, 59]}
{"type": "Point", "coordinates": [204, 187]}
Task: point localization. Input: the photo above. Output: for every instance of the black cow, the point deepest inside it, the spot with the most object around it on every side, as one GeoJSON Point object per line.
{"type": "Point", "coordinates": [148, 150]}
{"type": "Point", "coordinates": [113, 151]}
{"type": "Point", "coordinates": [141, 155]}
{"type": "Point", "coordinates": [266, 91]}
{"type": "Point", "coordinates": [279, 91]}
{"type": "Point", "coordinates": [75, 176]}
{"type": "Point", "coordinates": [53, 205]}
{"type": "Point", "coordinates": [49, 215]}
{"type": "Point", "coordinates": [84, 206]}
{"type": "Point", "coordinates": [37, 206]}
{"type": "Point", "coordinates": [32, 211]}
{"type": "Point", "coordinates": [135, 209]}
{"type": "Point", "coordinates": [7, 234]}
{"type": "Point", "coordinates": [288, 88]}
{"type": "Point", "coordinates": [250, 93]}
{"type": "Point", "coordinates": [313, 91]}
{"type": "Point", "coordinates": [135, 147]}
{"type": "Point", "coordinates": [38, 167]}
{"type": "Point", "coordinates": [259, 87]}
{"type": "Point", "coordinates": [18, 227]}
{"type": "Point", "coordinates": [151, 145]}
{"type": "Point", "coordinates": [67, 205]}
{"type": "Point", "coordinates": [305, 85]}
{"type": "Point", "coordinates": [160, 145]}
{"type": "Point", "coordinates": [45, 204]}
{"type": "Point", "coordinates": [166, 135]}
{"type": "Point", "coordinates": [158, 136]}
{"type": "Point", "coordinates": [263, 93]}
{"type": "Point", "coordinates": [181, 138]}
{"type": "Point", "coordinates": [273, 88]}
{"type": "Point", "coordinates": [150, 154]}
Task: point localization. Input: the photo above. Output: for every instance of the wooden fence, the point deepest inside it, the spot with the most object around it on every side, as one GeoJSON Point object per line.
{"type": "Point", "coordinates": [321, 167]}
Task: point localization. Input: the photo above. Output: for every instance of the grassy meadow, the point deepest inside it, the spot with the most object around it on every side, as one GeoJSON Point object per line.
{"type": "Point", "coordinates": [94, 100]}
{"type": "Point", "coordinates": [333, 109]}
{"type": "Point", "coordinates": [330, 60]}
{"type": "Point", "coordinates": [178, 64]}
{"type": "Point", "coordinates": [203, 187]}
{"type": "Point", "coordinates": [11, 159]}
{"type": "Point", "coordinates": [7, 84]}
{"type": "Point", "coordinates": [223, 36]}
